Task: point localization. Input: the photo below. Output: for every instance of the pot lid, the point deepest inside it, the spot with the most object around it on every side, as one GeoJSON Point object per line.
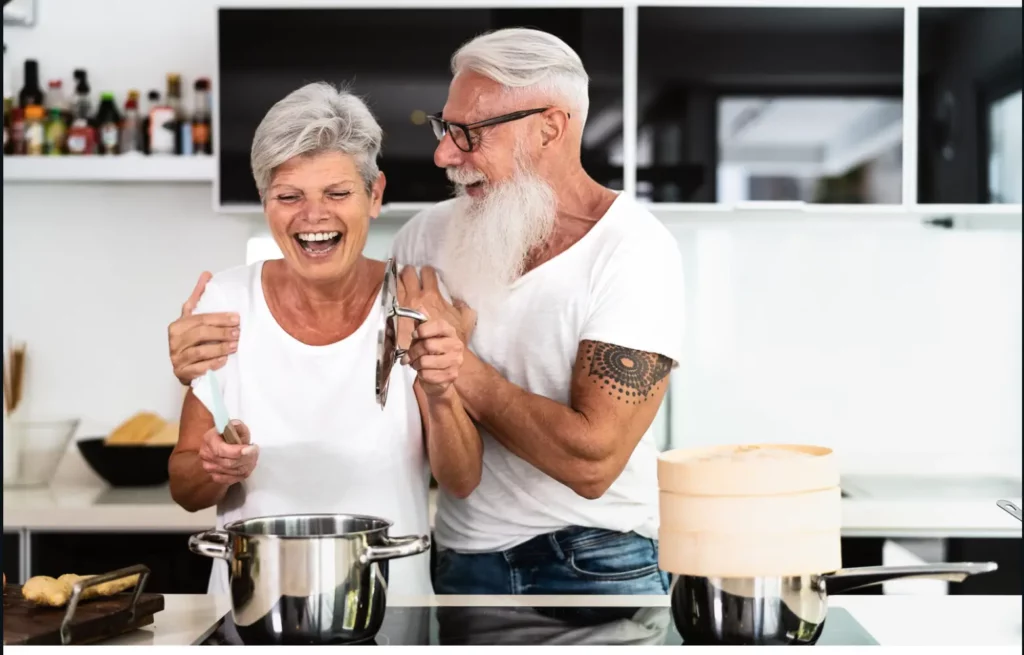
{"type": "Point", "coordinates": [388, 351]}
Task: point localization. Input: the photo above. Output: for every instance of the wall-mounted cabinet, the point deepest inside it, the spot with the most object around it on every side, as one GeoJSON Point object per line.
{"type": "Point", "coordinates": [751, 104]}
{"type": "Point", "coordinates": [969, 99]}
{"type": "Point", "coordinates": [733, 104]}
{"type": "Point", "coordinates": [398, 60]}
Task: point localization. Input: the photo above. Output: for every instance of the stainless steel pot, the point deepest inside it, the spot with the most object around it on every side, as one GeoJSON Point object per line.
{"type": "Point", "coordinates": [777, 611]}
{"type": "Point", "coordinates": [307, 579]}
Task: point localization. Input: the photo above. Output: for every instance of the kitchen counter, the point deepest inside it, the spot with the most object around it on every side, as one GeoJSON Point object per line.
{"type": "Point", "coordinates": [892, 620]}
{"type": "Point", "coordinates": [100, 508]}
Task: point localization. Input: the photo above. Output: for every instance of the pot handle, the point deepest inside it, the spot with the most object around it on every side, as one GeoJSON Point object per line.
{"type": "Point", "coordinates": [419, 317]}
{"type": "Point", "coordinates": [396, 547]}
{"type": "Point", "coordinates": [212, 543]}
{"type": "Point", "coordinates": [845, 580]}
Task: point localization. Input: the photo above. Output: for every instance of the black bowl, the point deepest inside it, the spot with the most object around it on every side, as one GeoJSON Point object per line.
{"type": "Point", "coordinates": [127, 466]}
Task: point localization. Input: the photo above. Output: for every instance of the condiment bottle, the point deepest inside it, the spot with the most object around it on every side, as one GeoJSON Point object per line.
{"type": "Point", "coordinates": [108, 123]}
{"type": "Point", "coordinates": [81, 137]}
{"type": "Point", "coordinates": [131, 132]}
{"type": "Point", "coordinates": [56, 132]}
{"type": "Point", "coordinates": [35, 133]}
{"type": "Point", "coordinates": [17, 131]}
{"type": "Point", "coordinates": [202, 141]}
{"type": "Point", "coordinates": [31, 94]}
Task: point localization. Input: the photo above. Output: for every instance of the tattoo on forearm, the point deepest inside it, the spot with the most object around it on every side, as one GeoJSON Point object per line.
{"type": "Point", "coordinates": [627, 374]}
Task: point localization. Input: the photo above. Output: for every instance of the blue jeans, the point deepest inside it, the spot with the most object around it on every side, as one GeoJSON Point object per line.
{"type": "Point", "coordinates": [570, 561]}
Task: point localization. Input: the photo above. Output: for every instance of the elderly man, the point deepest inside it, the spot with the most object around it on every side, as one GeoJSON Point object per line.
{"type": "Point", "coordinates": [579, 296]}
{"type": "Point", "coordinates": [578, 299]}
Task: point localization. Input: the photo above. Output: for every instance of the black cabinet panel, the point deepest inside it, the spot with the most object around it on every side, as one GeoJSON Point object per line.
{"type": "Point", "coordinates": [1004, 552]}
{"type": "Point", "coordinates": [969, 99]}
{"type": "Point", "coordinates": [12, 556]}
{"type": "Point", "coordinates": [863, 551]}
{"type": "Point", "coordinates": [174, 569]}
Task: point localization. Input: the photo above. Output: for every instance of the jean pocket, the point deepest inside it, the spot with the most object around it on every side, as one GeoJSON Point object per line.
{"type": "Point", "coordinates": [625, 557]}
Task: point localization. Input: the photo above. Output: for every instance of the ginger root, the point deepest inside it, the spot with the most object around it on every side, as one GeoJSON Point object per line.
{"type": "Point", "coordinates": [50, 592]}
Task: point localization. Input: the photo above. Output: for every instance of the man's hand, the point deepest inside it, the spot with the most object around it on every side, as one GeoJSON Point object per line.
{"type": "Point", "coordinates": [422, 292]}
{"type": "Point", "coordinates": [436, 345]}
{"type": "Point", "coordinates": [201, 342]}
{"type": "Point", "coordinates": [436, 354]}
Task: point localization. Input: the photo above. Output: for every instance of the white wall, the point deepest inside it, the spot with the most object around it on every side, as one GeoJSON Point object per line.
{"type": "Point", "coordinates": [874, 340]}
{"type": "Point", "coordinates": [890, 340]}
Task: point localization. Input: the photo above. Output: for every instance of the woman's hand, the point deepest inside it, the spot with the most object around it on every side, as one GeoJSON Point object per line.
{"type": "Point", "coordinates": [201, 342]}
{"type": "Point", "coordinates": [228, 463]}
{"type": "Point", "coordinates": [436, 355]}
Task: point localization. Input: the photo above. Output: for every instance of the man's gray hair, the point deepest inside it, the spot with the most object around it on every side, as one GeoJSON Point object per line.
{"type": "Point", "coordinates": [315, 119]}
{"type": "Point", "coordinates": [528, 61]}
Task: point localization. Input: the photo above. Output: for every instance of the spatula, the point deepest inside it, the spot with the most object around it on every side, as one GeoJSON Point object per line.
{"type": "Point", "coordinates": [220, 411]}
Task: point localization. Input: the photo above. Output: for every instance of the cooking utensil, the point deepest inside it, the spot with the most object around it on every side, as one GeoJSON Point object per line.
{"type": "Point", "coordinates": [782, 610]}
{"type": "Point", "coordinates": [1013, 510]}
{"type": "Point", "coordinates": [14, 375]}
{"type": "Point", "coordinates": [220, 411]}
{"type": "Point", "coordinates": [388, 351]}
{"type": "Point", "coordinates": [307, 579]}
{"type": "Point", "coordinates": [82, 621]}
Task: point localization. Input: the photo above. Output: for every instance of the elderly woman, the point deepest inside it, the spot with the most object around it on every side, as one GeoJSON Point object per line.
{"type": "Point", "coordinates": [299, 384]}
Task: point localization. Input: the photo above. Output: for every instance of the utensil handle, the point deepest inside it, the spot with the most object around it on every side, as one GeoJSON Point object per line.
{"type": "Point", "coordinates": [397, 547]}
{"type": "Point", "coordinates": [79, 587]}
{"type": "Point", "coordinates": [403, 312]}
{"type": "Point", "coordinates": [230, 436]}
{"type": "Point", "coordinates": [212, 543]}
{"type": "Point", "coordinates": [1011, 508]}
{"type": "Point", "coordinates": [844, 580]}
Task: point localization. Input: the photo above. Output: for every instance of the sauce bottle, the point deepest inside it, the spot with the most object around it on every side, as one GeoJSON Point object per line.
{"type": "Point", "coordinates": [164, 130]}
{"type": "Point", "coordinates": [131, 130]}
{"type": "Point", "coordinates": [202, 141]}
{"type": "Point", "coordinates": [8, 142]}
{"type": "Point", "coordinates": [82, 109]}
{"type": "Point", "coordinates": [35, 133]}
{"type": "Point", "coordinates": [153, 101]}
{"type": "Point", "coordinates": [81, 137]}
{"type": "Point", "coordinates": [17, 131]}
{"type": "Point", "coordinates": [31, 94]}
{"type": "Point", "coordinates": [108, 124]}
{"type": "Point", "coordinates": [56, 132]}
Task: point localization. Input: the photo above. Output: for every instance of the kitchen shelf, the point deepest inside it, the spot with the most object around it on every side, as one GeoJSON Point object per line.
{"type": "Point", "coordinates": [790, 210]}
{"type": "Point", "coordinates": [119, 168]}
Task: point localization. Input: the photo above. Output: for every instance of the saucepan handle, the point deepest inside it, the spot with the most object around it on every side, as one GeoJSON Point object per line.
{"type": "Point", "coordinates": [212, 543]}
{"type": "Point", "coordinates": [403, 312]}
{"type": "Point", "coordinates": [845, 580]}
{"type": "Point", "coordinates": [396, 547]}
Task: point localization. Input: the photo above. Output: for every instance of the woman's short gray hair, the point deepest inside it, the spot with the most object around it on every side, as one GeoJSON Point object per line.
{"type": "Point", "coordinates": [314, 119]}
{"type": "Point", "coordinates": [528, 61]}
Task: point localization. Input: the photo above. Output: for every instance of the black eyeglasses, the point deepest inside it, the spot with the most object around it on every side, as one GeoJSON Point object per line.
{"type": "Point", "coordinates": [460, 131]}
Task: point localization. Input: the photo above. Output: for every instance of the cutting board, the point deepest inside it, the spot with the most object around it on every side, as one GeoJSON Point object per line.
{"type": "Point", "coordinates": [95, 620]}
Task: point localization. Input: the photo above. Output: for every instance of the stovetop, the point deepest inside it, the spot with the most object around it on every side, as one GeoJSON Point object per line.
{"type": "Point", "coordinates": [493, 626]}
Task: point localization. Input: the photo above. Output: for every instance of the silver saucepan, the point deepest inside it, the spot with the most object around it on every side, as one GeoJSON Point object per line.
{"type": "Point", "coordinates": [778, 611]}
{"type": "Point", "coordinates": [307, 579]}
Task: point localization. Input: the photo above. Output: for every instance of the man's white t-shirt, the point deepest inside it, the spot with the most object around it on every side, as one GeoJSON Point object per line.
{"type": "Point", "coordinates": [622, 284]}
{"type": "Point", "coordinates": [325, 444]}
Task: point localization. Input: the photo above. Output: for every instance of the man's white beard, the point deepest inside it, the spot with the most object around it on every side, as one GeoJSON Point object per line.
{"type": "Point", "coordinates": [488, 240]}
